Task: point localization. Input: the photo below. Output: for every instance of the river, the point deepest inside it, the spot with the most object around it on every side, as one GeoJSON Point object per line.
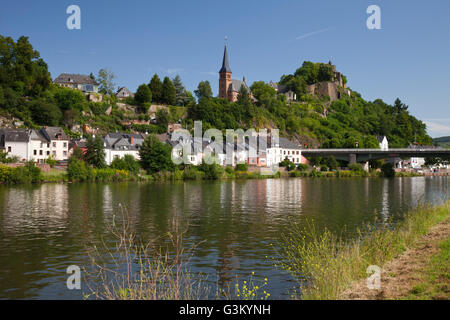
{"type": "Point", "coordinates": [235, 225]}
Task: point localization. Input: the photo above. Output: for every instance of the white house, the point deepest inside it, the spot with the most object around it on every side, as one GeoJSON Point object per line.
{"type": "Point", "coordinates": [285, 148]}
{"type": "Point", "coordinates": [417, 163]}
{"type": "Point", "coordinates": [57, 143]}
{"type": "Point", "coordinates": [77, 81]}
{"type": "Point", "coordinates": [35, 145]}
{"type": "Point", "coordinates": [16, 142]}
{"type": "Point", "coordinates": [383, 142]}
{"type": "Point", "coordinates": [117, 145]}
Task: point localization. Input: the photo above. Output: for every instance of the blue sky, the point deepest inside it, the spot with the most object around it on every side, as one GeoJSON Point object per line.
{"type": "Point", "coordinates": [408, 58]}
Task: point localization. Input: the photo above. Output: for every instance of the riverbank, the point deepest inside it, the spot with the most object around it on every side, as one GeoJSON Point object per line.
{"type": "Point", "coordinates": [422, 272]}
{"type": "Point", "coordinates": [331, 266]}
{"type": "Point", "coordinates": [16, 175]}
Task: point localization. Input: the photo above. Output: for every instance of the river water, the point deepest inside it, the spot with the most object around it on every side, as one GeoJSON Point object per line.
{"type": "Point", "coordinates": [235, 225]}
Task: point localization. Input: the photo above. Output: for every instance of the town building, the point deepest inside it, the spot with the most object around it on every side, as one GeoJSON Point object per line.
{"type": "Point", "coordinates": [123, 93]}
{"type": "Point", "coordinates": [77, 81]}
{"type": "Point", "coordinates": [229, 88]}
{"type": "Point", "coordinates": [284, 149]}
{"type": "Point", "coordinates": [383, 143]}
{"type": "Point", "coordinates": [283, 90]}
{"type": "Point", "coordinates": [35, 145]}
{"type": "Point", "coordinates": [117, 145]}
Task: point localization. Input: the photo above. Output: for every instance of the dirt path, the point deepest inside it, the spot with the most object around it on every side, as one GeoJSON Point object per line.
{"type": "Point", "coordinates": [400, 275]}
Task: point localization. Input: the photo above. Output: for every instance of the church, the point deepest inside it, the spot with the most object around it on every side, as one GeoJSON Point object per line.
{"type": "Point", "coordinates": [229, 88]}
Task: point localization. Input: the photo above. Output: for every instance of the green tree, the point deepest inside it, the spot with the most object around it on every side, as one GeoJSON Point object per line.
{"type": "Point", "coordinates": [106, 82]}
{"type": "Point", "coordinates": [45, 113]}
{"type": "Point", "coordinates": [67, 99]}
{"type": "Point", "coordinates": [180, 92]}
{"type": "Point", "coordinates": [156, 87]}
{"type": "Point", "coordinates": [162, 118]}
{"type": "Point", "coordinates": [143, 95]}
{"type": "Point", "coordinates": [169, 95]}
{"type": "Point", "coordinates": [332, 163]}
{"type": "Point", "coordinates": [70, 117]}
{"type": "Point", "coordinates": [128, 163]}
{"type": "Point", "coordinates": [203, 90]}
{"type": "Point", "coordinates": [155, 155]}
{"type": "Point", "coordinates": [95, 152]}
{"type": "Point", "coordinates": [387, 170]}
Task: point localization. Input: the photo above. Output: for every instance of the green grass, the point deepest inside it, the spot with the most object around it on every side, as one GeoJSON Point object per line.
{"type": "Point", "coordinates": [435, 279]}
{"type": "Point", "coordinates": [325, 265]}
{"type": "Point", "coordinates": [54, 175]}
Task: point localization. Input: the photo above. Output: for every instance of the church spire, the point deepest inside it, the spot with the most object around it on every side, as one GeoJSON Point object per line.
{"type": "Point", "coordinates": [225, 64]}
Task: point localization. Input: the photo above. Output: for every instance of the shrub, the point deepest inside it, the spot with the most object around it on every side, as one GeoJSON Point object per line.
{"type": "Point", "coordinates": [356, 167]}
{"type": "Point", "coordinates": [212, 171]}
{"type": "Point", "coordinates": [315, 174]}
{"type": "Point", "coordinates": [20, 175]}
{"type": "Point", "coordinates": [323, 168]}
{"type": "Point", "coordinates": [192, 173]}
{"type": "Point", "coordinates": [77, 170]}
{"type": "Point", "coordinates": [302, 167]}
{"type": "Point", "coordinates": [289, 165]}
{"type": "Point", "coordinates": [241, 167]}
{"type": "Point", "coordinates": [387, 170]}
{"type": "Point", "coordinates": [128, 163]}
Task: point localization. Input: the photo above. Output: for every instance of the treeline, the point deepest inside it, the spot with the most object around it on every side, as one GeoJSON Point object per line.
{"type": "Point", "coordinates": [26, 92]}
{"type": "Point", "coordinates": [350, 122]}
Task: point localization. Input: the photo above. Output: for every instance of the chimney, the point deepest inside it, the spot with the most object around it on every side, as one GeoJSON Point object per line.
{"type": "Point", "coordinates": [131, 140]}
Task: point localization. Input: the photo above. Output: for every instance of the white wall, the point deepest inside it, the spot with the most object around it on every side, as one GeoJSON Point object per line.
{"type": "Point", "coordinates": [18, 149]}
{"type": "Point", "coordinates": [110, 154]}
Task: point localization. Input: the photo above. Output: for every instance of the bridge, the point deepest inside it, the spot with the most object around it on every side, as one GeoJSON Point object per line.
{"type": "Point", "coordinates": [364, 155]}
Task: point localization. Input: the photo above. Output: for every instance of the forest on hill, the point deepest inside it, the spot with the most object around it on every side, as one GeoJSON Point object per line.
{"type": "Point", "coordinates": [27, 93]}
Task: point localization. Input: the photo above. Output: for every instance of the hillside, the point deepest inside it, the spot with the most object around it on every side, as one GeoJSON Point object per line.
{"type": "Point", "coordinates": [29, 98]}
{"type": "Point", "coordinates": [442, 141]}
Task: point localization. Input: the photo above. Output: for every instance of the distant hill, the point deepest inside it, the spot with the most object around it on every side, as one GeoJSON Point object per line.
{"type": "Point", "coordinates": [442, 141]}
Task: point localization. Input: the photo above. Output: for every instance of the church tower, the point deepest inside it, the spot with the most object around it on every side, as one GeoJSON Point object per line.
{"type": "Point", "coordinates": [225, 79]}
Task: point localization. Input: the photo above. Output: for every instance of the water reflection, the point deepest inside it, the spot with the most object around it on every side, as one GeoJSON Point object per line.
{"type": "Point", "coordinates": [43, 229]}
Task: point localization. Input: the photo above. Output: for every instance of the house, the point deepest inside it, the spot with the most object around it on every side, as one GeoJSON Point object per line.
{"type": "Point", "coordinates": [284, 149]}
{"type": "Point", "coordinates": [16, 143]}
{"type": "Point", "coordinates": [36, 145]}
{"type": "Point", "coordinates": [383, 142]}
{"type": "Point", "coordinates": [283, 90]}
{"type": "Point", "coordinates": [229, 88]}
{"type": "Point", "coordinates": [77, 81]}
{"type": "Point", "coordinates": [58, 142]}
{"type": "Point", "coordinates": [123, 93]}
{"type": "Point", "coordinates": [117, 145]}
{"type": "Point", "coordinates": [80, 144]}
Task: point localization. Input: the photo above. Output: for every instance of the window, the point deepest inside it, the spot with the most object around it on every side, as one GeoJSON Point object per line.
{"type": "Point", "coordinates": [65, 144]}
{"type": "Point", "coordinates": [48, 145]}
{"type": "Point", "coordinates": [65, 153]}
{"type": "Point", "coordinates": [40, 152]}
{"type": "Point", "coordinates": [34, 152]}
{"type": "Point", "coordinates": [9, 149]}
{"type": "Point", "coordinates": [54, 153]}
{"type": "Point", "coordinates": [48, 153]}
{"type": "Point", "coordinates": [54, 144]}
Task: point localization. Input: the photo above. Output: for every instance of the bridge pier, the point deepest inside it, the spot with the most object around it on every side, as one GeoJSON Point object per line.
{"type": "Point", "coordinates": [352, 158]}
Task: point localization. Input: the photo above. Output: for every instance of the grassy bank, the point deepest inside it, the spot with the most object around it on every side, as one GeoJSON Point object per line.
{"type": "Point", "coordinates": [325, 265]}
{"type": "Point", "coordinates": [434, 280]}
